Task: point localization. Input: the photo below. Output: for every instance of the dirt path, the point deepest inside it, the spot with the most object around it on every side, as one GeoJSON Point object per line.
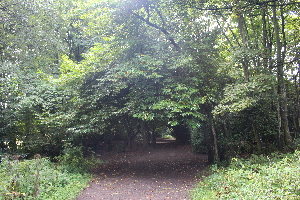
{"type": "Point", "coordinates": [167, 171]}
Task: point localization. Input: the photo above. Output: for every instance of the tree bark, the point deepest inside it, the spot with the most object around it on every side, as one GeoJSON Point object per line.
{"type": "Point", "coordinates": [208, 139]}
{"type": "Point", "coordinates": [280, 51]}
{"type": "Point", "coordinates": [257, 139]}
{"type": "Point", "coordinates": [296, 110]}
{"type": "Point", "coordinates": [279, 121]}
{"type": "Point", "coordinates": [265, 41]}
{"type": "Point", "coordinates": [215, 142]}
{"type": "Point", "coordinates": [211, 136]}
{"type": "Point", "coordinates": [243, 31]}
{"type": "Point", "coordinates": [145, 134]}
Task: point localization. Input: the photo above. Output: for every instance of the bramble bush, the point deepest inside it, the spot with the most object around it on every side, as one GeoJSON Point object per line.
{"type": "Point", "coordinates": [39, 179]}
{"type": "Point", "coordinates": [73, 160]}
{"type": "Point", "coordinates": [259, 177]}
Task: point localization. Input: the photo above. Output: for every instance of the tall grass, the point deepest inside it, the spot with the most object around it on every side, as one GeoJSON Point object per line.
{"type": "Point", "coordinates": [39, 179]}
{"type": "Point", "coordinates": [260, 177]}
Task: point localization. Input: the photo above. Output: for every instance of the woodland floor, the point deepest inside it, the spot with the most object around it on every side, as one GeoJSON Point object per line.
{"type": "Point", "coordinates": [165, 171]}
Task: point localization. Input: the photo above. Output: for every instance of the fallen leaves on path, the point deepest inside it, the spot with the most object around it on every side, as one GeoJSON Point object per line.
{"type": "Point", "coordinates": [166, 172]}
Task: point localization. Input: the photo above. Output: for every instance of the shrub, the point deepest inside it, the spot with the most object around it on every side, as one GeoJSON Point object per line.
{"type": "Point", "coordinates": [170, 137]}
{"type": "Point", "coordinates": [38, 179]}
{"type": "Point", "coordinates": [259, 177]}
{"type": "Point", "coordinates": [73, 160]}
{"type": "Point", "coordinates": [198, 141]}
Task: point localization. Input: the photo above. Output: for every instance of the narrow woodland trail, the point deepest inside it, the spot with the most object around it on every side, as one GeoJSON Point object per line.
{"type": "Point", "coordinates": [166, 171]}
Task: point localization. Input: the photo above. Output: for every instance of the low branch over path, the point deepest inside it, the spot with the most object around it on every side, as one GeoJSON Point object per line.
{"type": "Point", "coordinates": [166, 171]}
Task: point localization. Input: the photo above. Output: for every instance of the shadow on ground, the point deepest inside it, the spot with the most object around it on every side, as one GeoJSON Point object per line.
{"type": "Point", "coordinates": [165, 171]}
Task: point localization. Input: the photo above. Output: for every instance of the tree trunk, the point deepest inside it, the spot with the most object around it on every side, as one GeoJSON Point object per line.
{"type": "Point", "coordinates": [280, 51]}
{"type": "Point", "coordinates": [145, 134]}
{"type": "Point", "coordinates": [296, 106]}
{"type": "Point", "coordinates": [279, 121]}
{"type": "Point", "coordinates": [243, 31]}
{"type": "Point", "coordinates": [265, 41]}
{"type": "Point", "coordinates": [153, 138]}
{"type": "Point", "coordinates": [211, 136]}
{"type": "Point", "coordinates": [215, 142]}
{"type": "Point", "coordinates": [257, 139]}
{"type": "Point", "coordinates": [268, 65]}
{"type": "Point", "coordinates": [208, 142]}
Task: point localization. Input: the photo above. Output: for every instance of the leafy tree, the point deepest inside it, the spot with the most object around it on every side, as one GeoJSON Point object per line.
{"type": "Point", "coordinates": [94, 71]}
{"type": "Point", "coordinates": [257, 64]}
{"type": "Point", "coordinates": [31, 42]}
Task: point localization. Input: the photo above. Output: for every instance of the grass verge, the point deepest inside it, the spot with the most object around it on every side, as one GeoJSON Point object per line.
{"type": "Point", "coordinates": [39, 179]}
{"type": "Point", "coordinates": [259, 177]}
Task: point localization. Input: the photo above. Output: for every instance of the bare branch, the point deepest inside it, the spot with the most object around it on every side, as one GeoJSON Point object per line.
{"type": "Point", "coordinates": [162, 29]}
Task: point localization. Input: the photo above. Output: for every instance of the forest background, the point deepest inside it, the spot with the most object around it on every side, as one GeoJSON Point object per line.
{"type": "Point", "coordinates": [82, 74]}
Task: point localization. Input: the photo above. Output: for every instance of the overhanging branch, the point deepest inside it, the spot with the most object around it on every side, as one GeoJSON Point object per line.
{"type": "Point", "coordinates": [162, 29]}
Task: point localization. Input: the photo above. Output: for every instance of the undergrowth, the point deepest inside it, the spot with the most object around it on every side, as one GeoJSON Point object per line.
{"type": "Point", "coordinates": [40, 179]}
{"type": "Point", "coordinates": [259, 177]}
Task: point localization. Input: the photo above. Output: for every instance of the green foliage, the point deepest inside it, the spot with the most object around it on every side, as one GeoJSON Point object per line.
{"type": "Point", "coordinates": [73, 160]}
{"type": "Point", "coordinates": [240, 96]}
{"type": "Point", "coordinates": [198, 140]}
{"type": "Point", "coordinates": [10, 89]}
{"type": "Point", "coordinates": [168, 137]}
{"type": "Point", "coordinates": [71, 70]}
{"type": "Point", "coordinates": [38, 179]}
{"type": "Point", "coordinates": [259, 177]}
{"type": "Point", "coordinates": [33, 34]}
{"type": "Point", "coordinates": [237, 130]}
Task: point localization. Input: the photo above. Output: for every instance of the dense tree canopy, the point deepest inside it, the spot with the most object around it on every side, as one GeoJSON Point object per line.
{"type": "Point", "coordinates": [223, 75]}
